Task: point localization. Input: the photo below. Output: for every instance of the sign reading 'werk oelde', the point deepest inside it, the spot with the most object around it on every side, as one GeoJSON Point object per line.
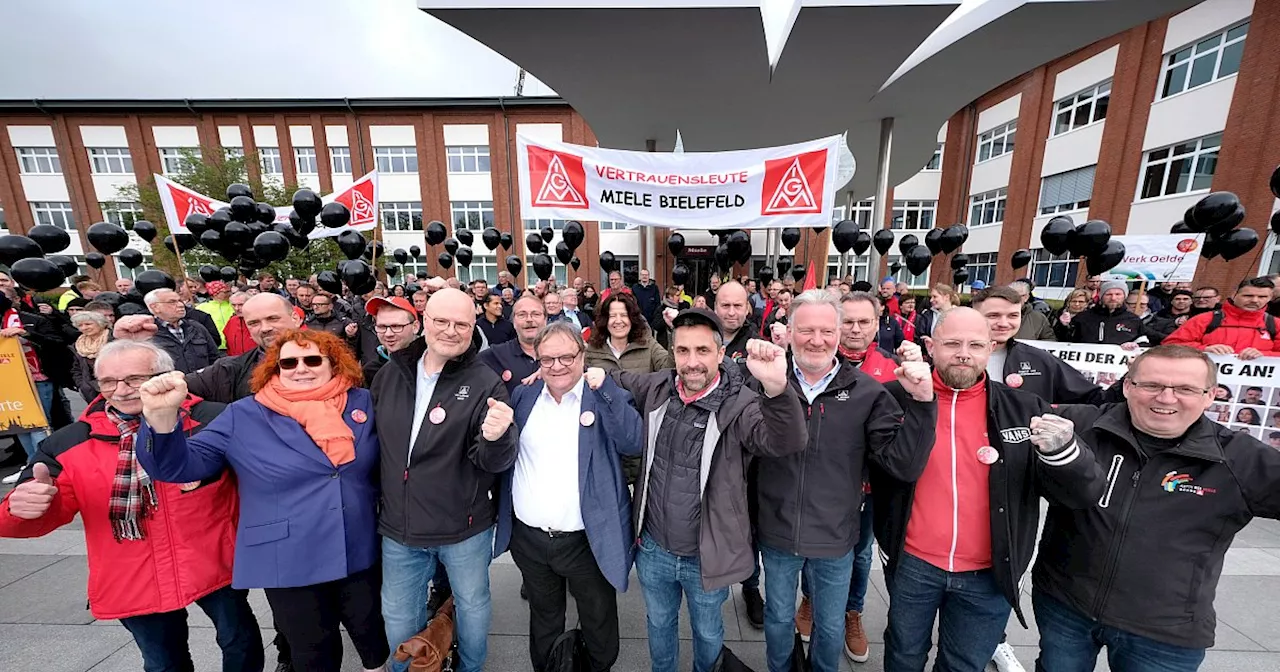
{"type": "Point", "coordinates": [767, 188]}
{"type": "Point", "coordinates": [1159, 258]}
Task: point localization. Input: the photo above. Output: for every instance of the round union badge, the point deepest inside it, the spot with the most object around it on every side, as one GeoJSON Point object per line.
{"type": "Point", "coordinates": [988, 455]}
{"type": "Point", "coordinates": [587, 418]}
{"type": "Point", "coordinates": [1013, 380]}
{"type": "Point", "coordinates": [359, 416]}
{"type": "Point", "coordinates": [436, 416]}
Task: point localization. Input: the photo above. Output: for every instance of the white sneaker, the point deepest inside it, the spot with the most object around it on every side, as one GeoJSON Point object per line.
{"type": "Point", "coordinates": [11, 478]}
{"type": "Point", "coordinates": [1005, 660]}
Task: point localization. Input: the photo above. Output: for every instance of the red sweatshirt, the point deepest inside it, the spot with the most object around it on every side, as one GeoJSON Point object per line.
{"type": "Point", "coordinates": [950, 524]}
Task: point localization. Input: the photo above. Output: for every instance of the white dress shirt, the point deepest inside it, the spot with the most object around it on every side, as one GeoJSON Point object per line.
{"type": "Point", "coordinates": [545, 488]}
{"type": "Point", "coordinates": [421, 402]}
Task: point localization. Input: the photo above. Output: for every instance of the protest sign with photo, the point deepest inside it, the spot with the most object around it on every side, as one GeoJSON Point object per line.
{"type": "Point", "coordinates": [767, 188]}
{"type": "Point", "coordinates": [1161, 258]}
{"type": "Point", "coordinates": [1247, 397]}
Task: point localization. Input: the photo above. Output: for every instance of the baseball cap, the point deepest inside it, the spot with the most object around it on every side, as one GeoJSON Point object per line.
{"type": "Point", "coordinates": [400, 302]}
{"type": "Point", "coordinates": [695, 316]}
{"type": "Point", "coordinates": [978, 285]}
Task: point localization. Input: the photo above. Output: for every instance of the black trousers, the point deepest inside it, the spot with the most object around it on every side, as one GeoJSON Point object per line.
{"type": "Point", "coordinates": [308, 618]}
{"type": "Point", "coordinates": [548, 564]}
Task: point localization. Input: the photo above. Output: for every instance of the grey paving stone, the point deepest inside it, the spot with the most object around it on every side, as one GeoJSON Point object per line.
{"type": "Point", "coordinates": [1250, 562]}
{"type": "Point", "coordinates": [59, 648]}
{"type": "Point", "coordinates": [54, 595]}
{"type": "Point", "coordinates": [55, 542]}
{"type": "Point", "coordinates": [1247, 604]}
{"type": "Point", "coordinates": [17, 567]}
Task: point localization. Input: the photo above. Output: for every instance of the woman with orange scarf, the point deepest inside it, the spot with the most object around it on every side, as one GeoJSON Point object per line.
{"type": "Point", "coordinates": [305, 454]}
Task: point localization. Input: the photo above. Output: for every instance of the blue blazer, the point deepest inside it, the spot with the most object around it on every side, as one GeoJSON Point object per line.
{"type": "Point", "coordinates": [302, 520]}
{"type": "Point", "coordinates": [602, 488]}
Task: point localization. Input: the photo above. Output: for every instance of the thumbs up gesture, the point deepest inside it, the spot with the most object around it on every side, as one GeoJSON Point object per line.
{"type": "Point", "coordinates": [31, 499]}
{"type": "Point", "coordinates": [496, 420]}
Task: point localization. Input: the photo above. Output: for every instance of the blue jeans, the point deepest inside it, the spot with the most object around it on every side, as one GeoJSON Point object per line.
{"type": "Point", "coordinates": [753, 582]}
{"type": "Point", "coordinates": [970, 609]}
{"type": "Point", "coordinates": [861, 563]}
{"type": "Point", "coordinates": [1070, 642]}
{"type": "Point", "coordinates": [830, 576]}
{"type": "Point", "coordinates": [664, 578]}
{"type": "Point", "coordinates": [162, 638]}
{"type": "Point", "coordinates": [31, 440]}
{"type": "Point", "coordinates": [406, 570]}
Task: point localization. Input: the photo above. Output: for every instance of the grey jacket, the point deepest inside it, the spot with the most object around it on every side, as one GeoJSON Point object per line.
{"type": "Point", "coordinates": [747, 424]}
{"type": "Point", "coordinates": [1035, 326]}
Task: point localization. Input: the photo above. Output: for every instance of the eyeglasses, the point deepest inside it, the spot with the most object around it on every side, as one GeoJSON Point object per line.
{"type": "Point", "coordinates": [564, 360]}
{"type": "Point", "coordinates": [445, 325]}
{"type": "Point", "coordinates": [393, 328]}
{"type": "Point", "coordinates": [1183, 391]}
{"type": "Point", "coordinates": [110, 384]}
{"type": "Point", "coordinates": [291, 363]}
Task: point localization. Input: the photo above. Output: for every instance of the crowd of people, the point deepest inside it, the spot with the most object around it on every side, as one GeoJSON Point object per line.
{"type": "Point", "coordinates": [362, 459]}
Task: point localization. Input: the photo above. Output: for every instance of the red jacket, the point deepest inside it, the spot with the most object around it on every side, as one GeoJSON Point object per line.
{"type": "Point", "coordinates": [190, 538]}
{"type": "Point", "coordinates": [1240, 329]}
{"type": "Point", "coordinates": [237, 337]}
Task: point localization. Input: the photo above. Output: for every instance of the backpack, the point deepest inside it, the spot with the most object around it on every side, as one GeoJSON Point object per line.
{"type": "Point", "coordinates": [1219, 316]}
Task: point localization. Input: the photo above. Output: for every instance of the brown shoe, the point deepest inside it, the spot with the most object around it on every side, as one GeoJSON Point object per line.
{"type": "Point", "coordinates": [855, 639]}
{"type": "Point", "coordinates": [804, 619]}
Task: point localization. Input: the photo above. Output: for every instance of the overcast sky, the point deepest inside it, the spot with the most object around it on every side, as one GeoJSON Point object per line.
{"type": "Point", "coordinates": [220, 49]}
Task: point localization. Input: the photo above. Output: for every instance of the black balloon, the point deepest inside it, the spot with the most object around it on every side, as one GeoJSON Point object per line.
{"type": "Point", "coordinates": [239, 189]}
{"type": "Point", "coordinates": [38, 274]}
{"type": "Point", "coordinates": [960, 276]}
{"type": "Point", "coordinates": [1056, 235]}
{"type": "Point", "coordinates": [506, 241]}
{"type": "Point", "coordinates": [463, 256]}
{"type": "Point", "coordinates": [50, 238]}
{"type": "Point", "coordinates": [237, 235]}
{"type": "Point", "coordinates": [534, 243]}
{"type": "Point", "coordinates": [335, 216]}
{"type": "Point", "coordinates": [400, 256]}
{"type": "Point", "coordinates": [907, 242]}
{"type": "Point", "coordinates": [329, 282]}
{"type": "Point", "coordinates": [1090, 239]}
{"type": "Point", "coordinates": [196, 223]}
{"type": "Point", "coordinates": [861, 243]}
{"type": "Point", "coordinates": [307, 204]}
{"type": "Point", "coordinates": [959, 261]}
{"type": "Point", "coordinates": [573, 234]}
{"type": "Point", "coordinates": [358, 276]}
{"type": "Point", "coordinates": [465, 236]}
{"type": "Point", "coordinates": [1218, 212]}
{"type": "Point", "coordinates": [130, 257]}
{"type": "Point", "coordinates": [547, 234]}
{"type": "Point", "coordinates": [145, 230]}
{"type": "Point", "coordinates": [1019, 259]}
{"type": "Point", "coordinates": [563, 253]}
{"type": "Point", "coordinates": [374, 250]}
{"type": "Point", "coordinates": [415, 251]}
{"type": "Point", "coordinates": [490, 238]}
{"type": "Point", "coordinates": [543, 266]}
{"type": "Point", "coordinates": [250, 259]}
{"type": "Point", "coordinates": [392, 271]}
{"type": "Point", "coordinates": [765, 276]}
{"type": "Point", "coordinates": [291, 234]}
{"type": "Point", "coordinates": [95, 259]}
{"type": "Point", "coordinates": [1275, 222]}
{"type": "Point", "coordinates": [14, 247]}
{"type": "Point", "coordinates": [606, 261]}
{"type": "Point", "coordinates": [352, 244]}
{"type": "Point", "coordinates": [1236, 243]}
{"type": "Point", "coordinates": [1101, 262]}
{"type": "Point", "coordinates": [229, 274]}
{"type": "Point", "coordinates": [933, 241]}
{"type": "Point", "coordinates": [243, 209]}
{"type": "Point", "coordinates": [271, 246]}
{"type": "Point", "coordinates": [679, 274]}
{"type": "Point", "coordinates": [212, 240]}
{"type": "Point", "coordinates": [844, 234]}
{"type": "Point", "coordinates": [895, 267]}
{"type": "Point", "coordinates": [917, 259]}
{"type": "Point", "coordinates": [107, 238]}
{"type": "Point", "coordinates": [1180, 227]}
{"type": "Point", "coordinates": [153, 279]}
{"type": "Point", "coordinates": [209, 273]}
{"type": "Point", "coordinates": [819, 229]}
{"type": "Point", "coordinates": [952, 238]}
{"type": "Point", "coordinates": [265, 213]}
{"type": "Point", "coordinates": [1275, 182]}
{"type": "Point", "coordinates": [112, 299]}
{"type": "Point", "coordinates": [300, 224]}
{"type": "Point", "coordinates": [882, 240]}
{"type": "Point", "coordinates": [185, 240]}
{"type": "Point", "coordinates": [739, 244]}
{"type": "Point", "coordinates": [797, 273]}
{"type": "Point", "coordinates": [575, 263]}
{"type": "Point", "coordinates": [514, 265]}
{"type": "Point", "coordinates": [724, 261]}
{"type": "Point", "coordinates": [444, 259]}
{"type": "Point", "coordinates": [675, 243]}
{"type": "Point", "coordinates": [791, 237]}
{"type": "Point", "coordinates": [220, 218]}
{"type": "Point", "coordinates": [436, 233]}
{"type": "Point", "coordinates": [65, 264]}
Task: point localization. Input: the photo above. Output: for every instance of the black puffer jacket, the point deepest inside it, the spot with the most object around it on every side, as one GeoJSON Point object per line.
{"type": "Point", "coordinates": [227, 379]}
{"type": "Point", "coordinates": [1100, 325]}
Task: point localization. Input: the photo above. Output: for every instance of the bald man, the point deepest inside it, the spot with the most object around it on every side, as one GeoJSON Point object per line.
{"type": "Point", "coordinates": [734, 310]}
{"type": "Point", "coordinates": [266, 316]}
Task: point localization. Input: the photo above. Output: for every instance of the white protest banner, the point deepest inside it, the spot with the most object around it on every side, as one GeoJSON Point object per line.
{"type": "Point", "coordinates": [1247, 397]}
{"type": "Point", "coordinates": [361, 199]}
{"type": "Point", "coordinates": [1161, 258]}
{"type": "Point", "coordinates": [767, 188]}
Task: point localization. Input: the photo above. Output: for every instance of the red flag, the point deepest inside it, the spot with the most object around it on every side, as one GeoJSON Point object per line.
{"type": "Point", "coordinates": [810, 279]}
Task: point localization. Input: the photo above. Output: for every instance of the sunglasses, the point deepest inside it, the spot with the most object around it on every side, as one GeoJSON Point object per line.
{"type": "Point", "coordinates": [291, 363]}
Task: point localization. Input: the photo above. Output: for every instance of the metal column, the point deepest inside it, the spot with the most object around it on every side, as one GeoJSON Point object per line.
{"type": "Point", "coordinates": [882, 194]}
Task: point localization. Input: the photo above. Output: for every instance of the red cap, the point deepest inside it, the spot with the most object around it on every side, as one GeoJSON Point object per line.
{"type": "Point", "coordinates": [377, 302]}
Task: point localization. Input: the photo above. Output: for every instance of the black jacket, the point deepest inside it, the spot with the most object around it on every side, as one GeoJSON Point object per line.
{"type": "Point", "coordinates": [225, 380]}
{"type": "Point", "coordinates": [1164, 323]}
{"type": "Point", "coordinates": [1146, 556]}
{"type": "Point", "coordinates": [205, 320]}
{"type": "Point", "coordinates": [1048, 377]}
{"type": "Point", "coordinates": [1099, 325]}
{"type": "Point", "coordinates": [195, 350]}
{"type": "Point", "coordinates": [809, 501]}
{"type": "Point", "coordinates": [1019, 478]}
{"type": "Point", "coordinates": [443, 492]}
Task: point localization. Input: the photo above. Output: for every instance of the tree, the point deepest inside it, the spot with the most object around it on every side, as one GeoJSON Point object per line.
{"type": "Point", "coordinates": [211, 176]}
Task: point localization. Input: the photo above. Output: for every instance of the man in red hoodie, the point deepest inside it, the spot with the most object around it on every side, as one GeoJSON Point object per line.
{"type": "Point", "coordinates": [959, 539]}
{"type": "Point", "coordinates": [1239, 327]}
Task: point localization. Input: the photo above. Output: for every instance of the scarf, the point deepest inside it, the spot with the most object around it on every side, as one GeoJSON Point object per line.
{"type": "Point", "coordinates": [133, 495]}
{"type": "Point", "coordinates": [319, 412]}
{"type": "Point", "coordinates": [88, 347]}
{"type": "Point", "coordinates": [851, 355]}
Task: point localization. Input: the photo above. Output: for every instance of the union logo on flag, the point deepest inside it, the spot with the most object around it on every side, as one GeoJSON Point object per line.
{"type": "Point", "coordinates": [793, 186]}
{"type": "Point", "coordinates": [561, 177]}
{"type": "Point", "coordinates": [359, 200]}
{"type": "Point", "coordinates": [189, 203]}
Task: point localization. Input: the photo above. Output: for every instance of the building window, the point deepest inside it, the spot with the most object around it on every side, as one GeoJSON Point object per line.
{"type": "Point", "coordinates": [1066, 191]}
{"type": "Point", "coordinates": [997, 141]}
{"type": "Point", "coordinates": [903, 275]}
{"type": "Point", "coordinates": [982, 266]}
{"type": "Point", "coordinates": [474, 215]}
{"type": "Point", "coordinates": [39, 161]}
{"type": "Point", "coordinates": [468, 158]}
{"type": "Point", "coordinates": [1082, 109]}
{"type": "Point", "coordinates": [340, 157]}
{"type": "Point", "coordinates": [110, 161]}
{"type": "Point", "coordinates": [121, 213]}
{"type": "Point", "coordinates": [4, 224]}
{"type": "Point", "coordinates": [538, 224]}
{"type": "Point", "coordinates": [913, 215]}
{"type": "Point", "coordinates": [1270, 257]}
{"type": "Point", "coordinates": [1182, 168]}
{"type": "Point", "coordinates": [173, 161]}
{"type": "Point", "coordinates": [272, 164]}
{"type": "Point", "coordinates": [401, 215]}
{"type": "Point", "coordinates": [1049, 270]}
{"type": "Point", "coordinates": [54, 213]}
{"type": "Point", "coordinates": [483, 267]}
{"type": "Point", "coordinates": [862, 213]}
{"type": "Point", "coordinates": [396, 159]}
{"type": "Point", "coordinates": [858, 268]}
{"type": "Point", "coordinates": [629, 266]}
{"type": "Point", "coordinates": [418, 269]}
{"type": "Point", "coordinates": [613, 226]}
{"type": "Point", "coordinates": [234, 152]}
{"type": "Point", "coordinates": [935, 161]}
{"type": "Point", "coordinates": [305, 159]}
{"type": "Point", "coordinates": [1205, 61]}
{"type": "Point", "coordinates": [987, 207]}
